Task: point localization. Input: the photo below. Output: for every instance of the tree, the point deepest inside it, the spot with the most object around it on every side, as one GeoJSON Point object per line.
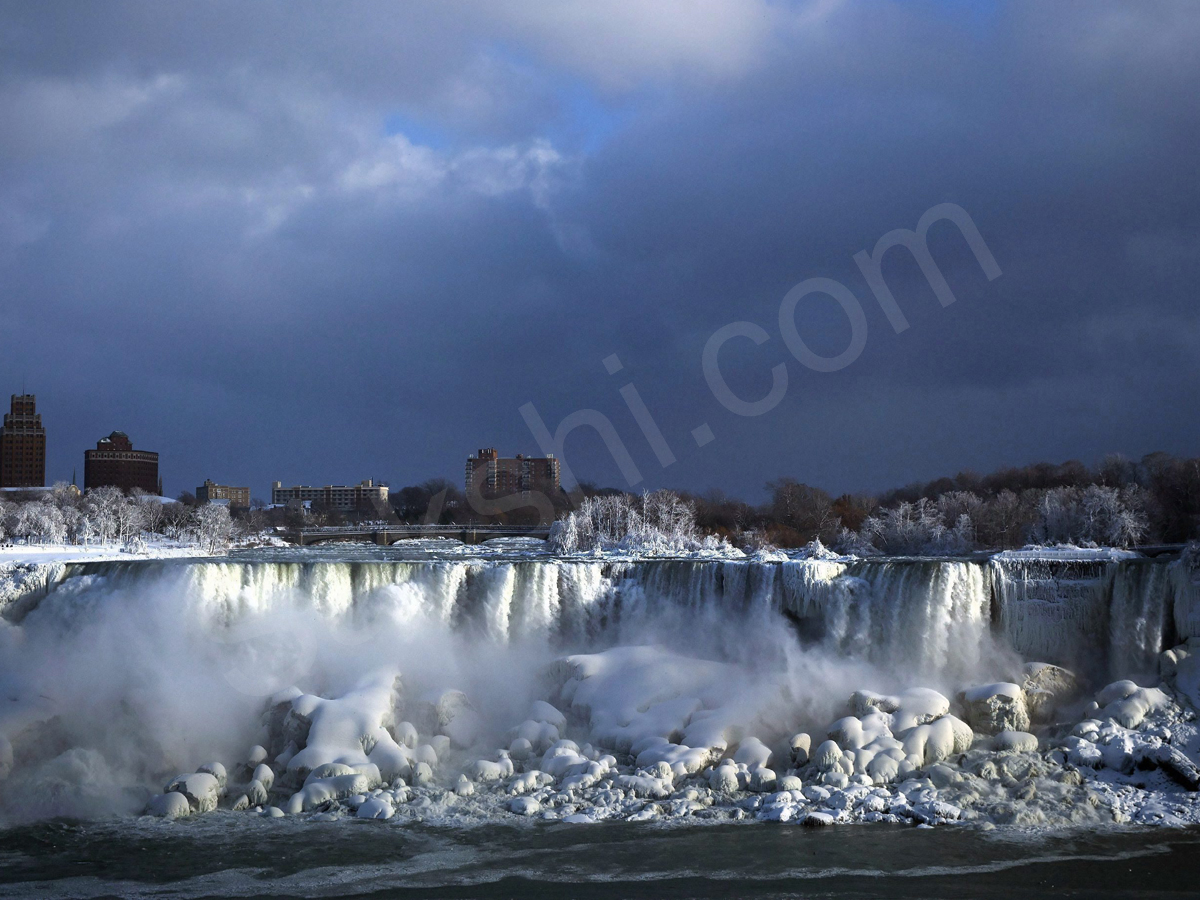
{"type": "Point", "coordinates": [213, 527]}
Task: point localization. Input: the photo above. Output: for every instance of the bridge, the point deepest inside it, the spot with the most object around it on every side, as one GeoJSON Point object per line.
{"type": "Point", "coordinates": [386, 535]}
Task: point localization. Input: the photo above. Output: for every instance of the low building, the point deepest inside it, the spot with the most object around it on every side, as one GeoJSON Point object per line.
{"type": "Point", "coordinates": [22, 444]}
{"type": "Point", "coordinates": [365, 494]}
{"type": "Point", "coordinates": [509, 475]}
{"type": "Point", "coordinates": [209, 492]}
{"type": "Point", "coordinates": [114, 462]}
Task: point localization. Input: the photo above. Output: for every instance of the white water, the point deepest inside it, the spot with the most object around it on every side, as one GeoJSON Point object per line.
{"type": "Point", "coordinates": [138, 669]}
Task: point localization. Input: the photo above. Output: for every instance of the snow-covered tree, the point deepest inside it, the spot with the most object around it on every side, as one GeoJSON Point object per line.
{"type": "Point", "coordinates": [213, 526]}
{"type": "Point", "coordinates": [40, 523]}
{"type": "Point", "coordinates": [658, 522]}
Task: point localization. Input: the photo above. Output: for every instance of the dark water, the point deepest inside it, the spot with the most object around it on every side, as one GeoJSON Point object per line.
{"type": "Point", "coordinates": [224, 856]}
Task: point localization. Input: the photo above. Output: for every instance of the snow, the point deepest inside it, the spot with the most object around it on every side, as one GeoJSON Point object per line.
{"type": "Point", "coordinates": [40, 554]}
{"type": "Point", "coordinates": [446, 690]}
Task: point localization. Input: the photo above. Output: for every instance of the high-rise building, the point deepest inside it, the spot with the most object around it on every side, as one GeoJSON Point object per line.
{"type": "Point", "coordinates": [223, 493]}
{"type": "Point", "coordinates": [115, 462]}
{"type": "Point", "coordinates": [508, 475]}
{"type": "Point", "coordinates": [335, 496]}
{"type": "Point", "coordinates": [23, 445]}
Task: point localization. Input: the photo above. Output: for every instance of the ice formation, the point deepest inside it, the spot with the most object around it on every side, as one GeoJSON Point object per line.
{"type": "Point", "coordinates": [1024, 689]}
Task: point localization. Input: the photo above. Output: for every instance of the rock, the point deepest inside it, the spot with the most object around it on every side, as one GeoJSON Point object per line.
{"type": "Point", "coordinates": [217, 771]}
{"type": "Point", "coordinates": [524, 806]}
{"type": "Point", "coordinates": [864, 702]}
{"type": "Point", "coordinates": [422, 775]}
{"type": "Point", "coordinates": [1179, 767]}
{"type": "Point", "coordinates": [463, 787]}
{"type": "Point", "coordinates": [789, 783]}
{"type": "Point", "coordinates": [992, 708]}
{"type": "Point", "coordinates": [406, 734]}
{"type": "Point", "coordinates": [263, 775]}
{"type": "Point", "coordinates": [257, 755]}
{"type": "Point", "coordinates": [1015, 742]}
{"type": "Point", "coordinates": [457, 719]}
{"type": "Point", "coordinates": [319, 791]}
{"type": "Point", "coordinates": [201, 789]}
{"type": "Point", "coordinates": [541, 711]}
{"type": "Point", "coordinates": [934, 741]}
{"type": "Point", "coordinates": [817, 819]}
{"type": "Point", "coordinates": [241, 804]}
{"type": "Point", "coordinates": [762, 780]}
{"type": "Point", "coordinates": [171, 805]}
{"type": "Point", "coordinates": [752, 752]}
{"type": "Point", "coordinates": [724, 779]}
{"type": "Point", "coordinates": [376, 808]}
{"type": "Point", "coordinates": [1047, 687]}
{"type": "Point", "coordinates": [256, 793]}
{"type": "Point", "coordinates": [827, 757]}
{"type": "Point", "coordinates": [800, 747]}
{"type": "Point", "coordinates": [520, 749]}
{"type": "Point", "coordinates": [1128, 705]}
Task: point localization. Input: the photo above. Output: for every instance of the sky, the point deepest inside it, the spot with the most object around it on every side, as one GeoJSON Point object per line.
{"type": "Point", "coordinates": [323, 242]}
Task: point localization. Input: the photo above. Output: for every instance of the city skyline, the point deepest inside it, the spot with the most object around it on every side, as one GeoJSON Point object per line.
{"type": "Point", "coordinates": [237, 244]}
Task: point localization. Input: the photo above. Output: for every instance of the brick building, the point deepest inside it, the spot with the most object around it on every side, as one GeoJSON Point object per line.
{"type": "Point", "coordinates": [115, 462]}
{"type": "Point", "coordinates": [22, 445]}
{"type": "Point", "coordinates": [223, 493]}
{"type": "Point", "coordinates": [509, 475]}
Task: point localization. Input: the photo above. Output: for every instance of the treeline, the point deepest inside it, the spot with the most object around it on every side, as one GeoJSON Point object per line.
{"type": "Point", "coordinates": [1117, 503]}
{"type": "Point", "coordinates": [108, 516]}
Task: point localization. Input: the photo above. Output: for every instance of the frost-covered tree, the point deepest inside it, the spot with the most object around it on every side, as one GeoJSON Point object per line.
{"type": "Point", "coordinates": [1092, 515]}
{"type": "Point", "coordinates": [40, 523]}
{"type": "Point", "coordinates": [905, 529]}
{"type": "Point", "coordinates": [151, 509]}
{"type": "Point", "coordinates": [659, 522]}
{"type": "Point", "coordinates": [213, 527]}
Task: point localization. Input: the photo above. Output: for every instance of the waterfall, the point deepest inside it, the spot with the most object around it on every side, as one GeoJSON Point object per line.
{"type": "Point", "coordinates": [1101, 616]}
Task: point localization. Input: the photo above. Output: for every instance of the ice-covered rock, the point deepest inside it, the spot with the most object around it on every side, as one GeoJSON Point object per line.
{"type": "Point", "coordinates": [376, 808]}
{"type": "Point", "coordinates": [801, 744]}
{"type": "Point", "coordinates": [320, 791]}
{"type": "Point", "coordinates": [992, 708]}
{"type": "Point", "coordinates": [171, 805]}
{"type": "Point", "coordinates": [217, 771]}
{"type": "Point", "coordinates": [457, 719]}
{"type": "Point", "coordinates": [263, 775]}
{"type": "Point", "coordinates": [752, 752]}
{"type": "Point", "coordinates": [256, 793]}
{"type": "Point", "coordinates": [1047, 687]}
{"type": "Point", "coordinates": [828, 756]}
{"type": "Point", "coordinates": [520, 749]}
{"type": "Point", "coordinates": [524, 806]}
{"type": "Point", "coordinates": [724, 778]}
{"type": "Point", "coordinates": [1127, 704]}
{"type": "Point", "coordinates": [201, 789]}
{"type": "Point", "coordinates": [1015, 742]}
{"type": "Point", "coordinates": [927, 744]}
{"type": "Point", "coordinates": [486, 770]}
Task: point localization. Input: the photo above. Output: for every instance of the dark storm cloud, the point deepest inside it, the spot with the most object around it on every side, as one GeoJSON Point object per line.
{"type": "Point", "coordinates": [323, 242]}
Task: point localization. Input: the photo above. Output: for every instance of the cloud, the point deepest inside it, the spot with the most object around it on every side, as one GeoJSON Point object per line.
{"type": "Point", "coordinates": [354, 239]}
